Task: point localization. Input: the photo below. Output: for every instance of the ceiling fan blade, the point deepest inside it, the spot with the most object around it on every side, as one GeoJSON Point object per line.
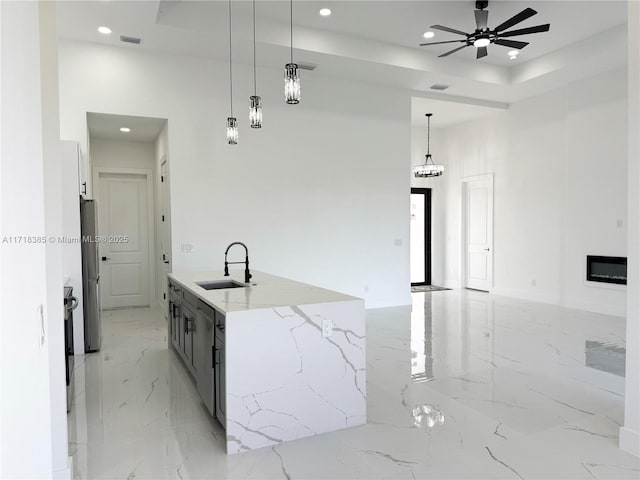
{"type": "Point", "coordinates": [482, 52]}
{"type": "Point", "coordinates": [438, 43]}
{"type": "Point", "coordinates": [447, 29]}
{"type": "Point", "coordinates": [482, 17]}
{"type": "Point", "coordinates": [520, 17]}
{"type": "Point", "coordinates": [525, 31]}
{"type": "Point", "coordinates": [511, 43]}
{"type": "Point", "coordinates": [452, 51]}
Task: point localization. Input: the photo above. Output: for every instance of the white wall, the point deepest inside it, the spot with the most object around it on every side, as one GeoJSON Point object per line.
{"type": "Point", "coordinates": [559, 161]}
{"type": "Point", "coordinates": [161, 154]}
{"type": "Point", "coordinates": [319, 194]}
{"type": "Point", "coordinates": [630, 432]}
{"type": "Point", "coordinates": [33, 432]}
{"type": "Point", "coordinates": [122, 154]}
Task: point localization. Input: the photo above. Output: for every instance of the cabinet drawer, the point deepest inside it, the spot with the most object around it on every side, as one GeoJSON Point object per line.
{"type": "Point", "coordinates": [220, 325]}
{"type": "Point", "coordinates": [190, 298]}
{"type": "Point", "coordinates": [206, 311]}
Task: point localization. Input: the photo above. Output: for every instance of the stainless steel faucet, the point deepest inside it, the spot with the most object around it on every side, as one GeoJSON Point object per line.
{"type": "Point", "coordinates": [247, 275]}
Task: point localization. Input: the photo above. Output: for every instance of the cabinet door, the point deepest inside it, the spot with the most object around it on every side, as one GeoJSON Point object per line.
{"type": "Point", "coordinates": [180, 330]}
{"type": "Point", "coordinates": [187, 344]}
{"type": "Point", "coordinates": [220, 390]}
{"type": "Point", "coordinates": [170, 323]}
{"type": "Point", "coordinates": [203, 353]}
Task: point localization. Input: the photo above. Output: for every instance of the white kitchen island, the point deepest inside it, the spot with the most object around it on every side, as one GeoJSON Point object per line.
{"type": "Point", "coordinates": [274, 361]}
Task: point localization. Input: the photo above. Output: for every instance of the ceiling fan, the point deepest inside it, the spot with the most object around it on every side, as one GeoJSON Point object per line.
{"type": "Point", "coordinates": [484, 36]}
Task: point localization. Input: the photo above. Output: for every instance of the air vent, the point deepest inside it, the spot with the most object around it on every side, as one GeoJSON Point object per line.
{"type": "Point", "coordinates": [439, 86]}
{"type": "Point", "coordinates": [134, 40]}
{"type": "Point", "coordinates": [307, 66]}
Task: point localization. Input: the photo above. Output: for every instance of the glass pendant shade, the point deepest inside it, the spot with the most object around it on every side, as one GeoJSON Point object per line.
{"type": "Point", "coordinates": [255, 111]}
{"type": "Point", "coordinates": [232, 131]}
{"type": "Point", "coordinates": [291, 83]}
{"type": "Point", "coordinates": [428, 169]}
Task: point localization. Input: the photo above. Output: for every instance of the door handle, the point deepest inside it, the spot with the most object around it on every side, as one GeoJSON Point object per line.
{"type": "Point", "coordinates": [104, 259]}
{"type": "Point", "coordinates": [487, 249]}
{"type": "Point", "coordinates": [166, 261]}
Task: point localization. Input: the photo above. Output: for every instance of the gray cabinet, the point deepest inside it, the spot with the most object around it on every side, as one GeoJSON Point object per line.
{"type": "Point", "coordinates": [188, 323]}
{"type": "Point", "coordinates": [174, 314]}
{"type": "Point", "coordinates": [203, 355]}
{"type": "Point", "coordinates": [220, 371]}
{"type": "Point", "coordinates": [196, 332]}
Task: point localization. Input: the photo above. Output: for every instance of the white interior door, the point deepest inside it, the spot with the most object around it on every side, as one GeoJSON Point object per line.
{"type": "Point", "coordinates": [478, 223]}
{"type": "Point", "coordinates": [165, 233]}
{"type": "Point", "coordinates": [123, 211]}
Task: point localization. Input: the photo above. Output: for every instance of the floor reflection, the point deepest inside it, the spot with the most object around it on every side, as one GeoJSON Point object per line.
{"type": "Point", "coordinates": [460, 385]}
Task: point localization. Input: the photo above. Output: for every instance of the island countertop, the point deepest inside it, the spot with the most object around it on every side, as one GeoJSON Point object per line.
{"type": "Point", "coordinates": [264, 291]}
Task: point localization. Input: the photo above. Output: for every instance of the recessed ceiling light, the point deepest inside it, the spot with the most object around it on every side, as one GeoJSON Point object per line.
{"type": "Point", "coordinates": [325, 12]}
{"type": "Point", "coordinates": [428, 34]}
{"type": "Point", "coordinates": [513, 53]}
{"type": "Point", "coordinates": [104, 30]}
{"type": "Point", "coordinates": [125, 129]}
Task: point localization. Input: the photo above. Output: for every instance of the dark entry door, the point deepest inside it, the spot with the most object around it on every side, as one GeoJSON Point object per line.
{"type": "Point", "coordinates": [420, 236]}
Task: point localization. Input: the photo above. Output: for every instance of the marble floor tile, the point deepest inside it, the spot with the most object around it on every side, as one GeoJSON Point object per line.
{"type": "Point", "coordinates": [461, 384]}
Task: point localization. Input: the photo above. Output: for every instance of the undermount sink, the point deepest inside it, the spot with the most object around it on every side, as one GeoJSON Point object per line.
{"type": "Point", "coordinates": [220, 284]}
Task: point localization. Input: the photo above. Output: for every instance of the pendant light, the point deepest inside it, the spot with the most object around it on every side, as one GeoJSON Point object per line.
{"type": "Point", "coordinates": [232, 122]}
{"type": "Point", "coordinates": [291, 76]}
{"type": "Point", "coordinates": [255, 102]}
{"type": "Point", "coordinates": [428, 169]}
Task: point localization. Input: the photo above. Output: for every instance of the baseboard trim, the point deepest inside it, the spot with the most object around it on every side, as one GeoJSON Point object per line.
{"type": "Point", "coordinates": [614, 311]}
{"type": "Point", "coordinates": [65, 473]}
{"type": "Point", "coordinates": [524, 295]}
{"type": "Point", "coordinates": [629, 441]}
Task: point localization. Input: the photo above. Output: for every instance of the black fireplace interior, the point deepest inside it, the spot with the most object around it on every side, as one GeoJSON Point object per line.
{"type": "Point", "coordinates": [607, 269]}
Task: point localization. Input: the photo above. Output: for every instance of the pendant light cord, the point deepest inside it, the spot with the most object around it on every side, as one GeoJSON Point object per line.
{"type": "Point", "coordinates": [291, 13]}
{"type": "Point", "coordinates": [230, 68]}
{"type": "Point", "coordinates": [428, 133]}
{"type": "Point", "coordinates": [255, 89]}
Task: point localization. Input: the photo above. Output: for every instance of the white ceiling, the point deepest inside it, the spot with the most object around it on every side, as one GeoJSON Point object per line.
{"type": "Point", "coordinates": [106, 126]}
{"type": "Point", "coordinates": [373, 41]}
{"type": "Point", "coordinates": [402, 23]}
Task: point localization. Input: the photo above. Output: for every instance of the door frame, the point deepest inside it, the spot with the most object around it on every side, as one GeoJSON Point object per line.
{"type": "Point", "coordinates": [464, 181]}
{"type": "Point", "coordinates": [148, 174]}
{"type": "Point", "coordinates": [427, 234]}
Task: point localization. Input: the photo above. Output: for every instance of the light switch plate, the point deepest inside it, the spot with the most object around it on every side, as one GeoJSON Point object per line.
{"type": "Point", "coordinates": [186, 248]}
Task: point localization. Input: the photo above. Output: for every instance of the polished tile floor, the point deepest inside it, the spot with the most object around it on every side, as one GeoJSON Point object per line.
{"type": "Point", "coordinates": [462, 385]}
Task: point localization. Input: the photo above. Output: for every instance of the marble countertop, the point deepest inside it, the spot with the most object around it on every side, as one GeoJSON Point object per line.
{"type": "Point", "coordinates": [265, 291]}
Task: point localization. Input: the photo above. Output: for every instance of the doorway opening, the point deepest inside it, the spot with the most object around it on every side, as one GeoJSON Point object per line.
{"type": "Point", "coordinates": [128, 157]}
{"type": "Point", "coordinates": [420, 236]}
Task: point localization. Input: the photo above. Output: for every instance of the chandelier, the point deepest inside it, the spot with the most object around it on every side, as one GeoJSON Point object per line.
{"type": "Point", "coordinates": [428, 168]}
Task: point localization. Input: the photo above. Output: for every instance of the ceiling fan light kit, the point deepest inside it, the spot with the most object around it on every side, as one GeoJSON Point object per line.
{"type": "Point", "coordinates": [484, 36]}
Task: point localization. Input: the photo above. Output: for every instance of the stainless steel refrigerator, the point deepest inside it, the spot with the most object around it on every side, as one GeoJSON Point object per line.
{"type": "Point", "coordinates": [90, 275]}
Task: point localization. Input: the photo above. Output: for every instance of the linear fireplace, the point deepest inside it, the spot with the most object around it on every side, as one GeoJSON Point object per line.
{"type": "Point", "coordinates": [607, 269]}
